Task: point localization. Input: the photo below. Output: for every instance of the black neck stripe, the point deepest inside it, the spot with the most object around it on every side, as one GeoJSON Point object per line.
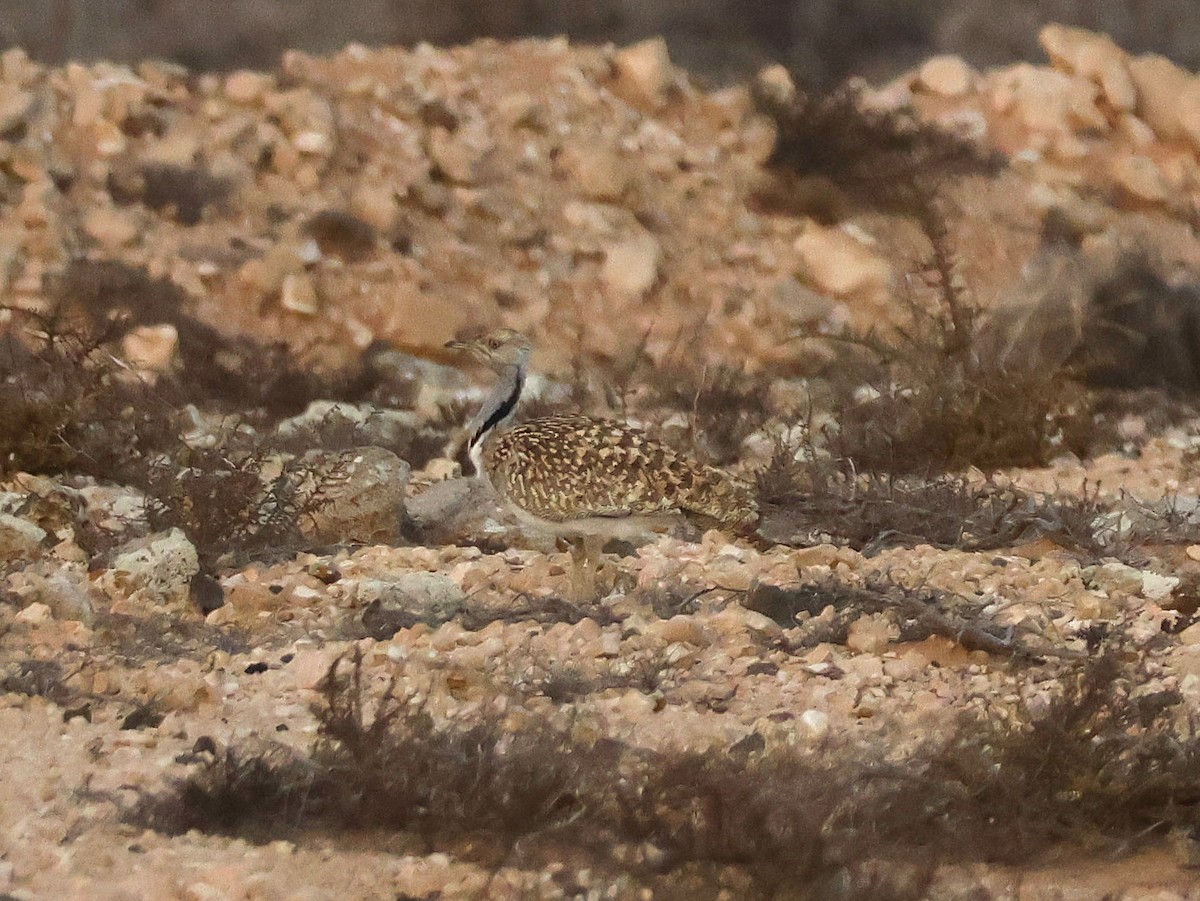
{"type": "Point", "coordinates": [501, 411]}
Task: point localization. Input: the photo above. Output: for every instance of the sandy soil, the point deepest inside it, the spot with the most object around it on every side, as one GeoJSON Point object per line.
{"type": "Point", "coordinates": [599, 201]}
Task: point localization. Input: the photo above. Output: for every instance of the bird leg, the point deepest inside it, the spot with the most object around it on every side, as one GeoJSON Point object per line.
{"type": "Point", "coordinates": [586, 565]}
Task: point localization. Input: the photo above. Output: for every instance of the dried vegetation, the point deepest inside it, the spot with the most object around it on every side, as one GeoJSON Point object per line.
{"type": "Point", "coordinates": [1097, 762]}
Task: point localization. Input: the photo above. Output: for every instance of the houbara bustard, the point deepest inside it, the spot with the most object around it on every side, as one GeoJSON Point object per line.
{"type": "Point", "coordinates": [585, 478]}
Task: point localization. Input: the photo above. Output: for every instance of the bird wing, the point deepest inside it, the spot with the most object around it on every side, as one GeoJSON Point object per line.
{"type": "Point", "coordinates": [570, 467]}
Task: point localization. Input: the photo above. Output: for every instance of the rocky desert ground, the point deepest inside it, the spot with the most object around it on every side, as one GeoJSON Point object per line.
{"type": "Point", "coordinates": [261, 636]}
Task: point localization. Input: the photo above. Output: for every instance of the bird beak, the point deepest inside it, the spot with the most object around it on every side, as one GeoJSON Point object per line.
{"type": "Point", "coordinates": [469, 347]}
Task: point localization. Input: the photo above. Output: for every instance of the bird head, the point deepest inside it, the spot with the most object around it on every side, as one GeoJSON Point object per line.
{"type": "Point", "coordinates": [500, 349]}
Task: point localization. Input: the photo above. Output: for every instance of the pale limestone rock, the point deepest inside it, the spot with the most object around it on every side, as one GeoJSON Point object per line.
{"type": "Point", "coordinates": [1048, 101]}
{"type": "Point", "coordinates": [1160, 83]}
{"type": "Point", "coordinates": [600, 173]}
{"type": "Point", "coordinates": [1188, 106]}
{"type": "Point", "coordinates": [34, 614]}
{"type": "Point", "coordinates": [870, 634]}
{"type": "Point", "coordinates": [150, 348]}
{"type": "Point", "coordinates": [799, 304]}
{"type": "Point", "coordinates": [631, 265]}
{"type": "Point", "coordinates": [245, 86]}
{"type": "Point", "coordinates": [948, 76]}
{"type": "Point", "coordinates": [815, 723]}
{"type": "Point", "coordinates": [1140, 178]}
{"type": "Point", "coordinates": [162, 564]}
{"type": "Point", "coordinates": [460, 153]}
{"type": "Point", "coordinates": [19, 538]}
{"type": "Point", "coordinates": [431, 598]}
{"type": "Point", "coordinates": [777, 82]}
{"type": "Point", "coordinates": [1157, 587]}
{"type": "Point", "coordinates": [1135, 131]}
{"type": "Point", "coordinates": [314, 143]}
{"type": "Point", "coordinates": [360, 495]}
{"type": "Point", "coordinates": [15, 104]}
{"type": "Point", "coordinates": [839, 263]}
{"type": "Point", "coordinates": [111, 228]}
{"type": "Point", "coordinates": [379, 208]}
{"type": "Point", "coordinates": [299, 294]}
{"type": "Point", "coordinates": [1094, 56]}
{"type": "Point", "coordinates": [644, 71]}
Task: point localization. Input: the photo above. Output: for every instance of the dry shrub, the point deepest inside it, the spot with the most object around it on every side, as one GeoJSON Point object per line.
{"type": "Point", "coordinates": [66, 403]}
{"type": "Point", "coordinates": [808, 495]}
{"type": "Point", "coordinates": [936, 397]}
{"type": "Point", "coordinates": [725, 406]}
{"type": "Point", "coordinates": [946, 402]}
{"type": "Point", "coordinates": [233, 497]}
{"type": "Point", "coordinates": [230, 371]}
{"type": "Point", "coordinates": [1101, 760]}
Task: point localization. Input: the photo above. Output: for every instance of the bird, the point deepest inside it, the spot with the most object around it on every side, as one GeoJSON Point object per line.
{"type": "Point", "coordinates": [585, 478]}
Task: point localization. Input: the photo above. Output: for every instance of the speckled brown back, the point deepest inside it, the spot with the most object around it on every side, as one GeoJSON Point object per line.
{"type": "Point", "coordinates": [569, 467]}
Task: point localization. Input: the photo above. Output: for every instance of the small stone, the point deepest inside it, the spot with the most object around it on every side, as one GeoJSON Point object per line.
{"type": "Point", "coordinates": [839, 263]}
{"type": "Point", "coordinates": [19, 538]}
{"type": "Point", "coordinates": [162, 564]}
{"type": "Point", "coordinates": [299, 294]}
{"type": "Point", "coordinates": [1139, 178]}
{"type": "Point", "coordinates": [815, 723]}
{"type": "Point", "coordinates": [644, 72]}
{"type": "Point", "coordinates": [15, 104]}
{"type": "Point", "coordinates": [600, 173]}
{"type": "Point", "coordinates": [631, 266]}
{"type": "Point", "coordinates": [1188, 109]}
{"type": "Point", "coordinates": [799, 304]}
{"type": "Point", "coordinates": [110, 227]}
{"type": "Point", "coordinates": [1193, 552]}
{"type": "Point", "coordinates": [34, 614]}
{"type": "Point", "coordinates": [1160, 83]}
{"type": "Point", "coordinates": [403, 600]}
{"type": "Point", "coordinates": [246, 87]}
{"type": "Point", "coordinates": [1157, 587]}
{"type": "Point", "coordinates": [1094, 56]}
{"type": "Point", "coordinates": [360, 495]}
{"type": "Point", "coordinates": [948, 76]}
{"type": "Point", "coordinates": [150, 348]}
{"type": "Point", "coordinates": [310, 666]}
{"type": "Point", "coordinates": [871, 634]}
{"type": "Point", "coordinates": [1049, 101]}
{"type": "Point", "coordinates": [375, 207]}
{"type": "Point", "coordinates": [458, 154]}
{"type": "Point", "coordinates": [681, 628]}
{"type": "Point", "coordinates": [313, 143]}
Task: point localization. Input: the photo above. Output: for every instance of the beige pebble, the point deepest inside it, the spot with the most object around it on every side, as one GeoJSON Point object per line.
{"type": "Point", "coordinates": [246, 87]}
{"type": "Point", "coordinates": [150, 347]}
{"type": "Point", "coordinates": [1160, 83]}
{"type": "Point", "coordinates": [1139, 177]}
{"type": "Point", "coordinates": [839, 263]}
{"type": "Point", "coordinates": [644, 71]}
{"type": "Point", "coordinates": [1094, 56]}
{"type": "Point", "coordinates": [630, 266]}
{"type": "Point", "coordinates": [110, 228]}
{"type": "Point", "coordinates": [299, 295]}
{"type": "Point", "coordinates": [33, 614]}
{"type": "Point", "coordinates": [948, 76]}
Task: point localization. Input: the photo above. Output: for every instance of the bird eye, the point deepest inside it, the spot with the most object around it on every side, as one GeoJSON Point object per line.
{"type": "Point", "coordinates": [493, 343]}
